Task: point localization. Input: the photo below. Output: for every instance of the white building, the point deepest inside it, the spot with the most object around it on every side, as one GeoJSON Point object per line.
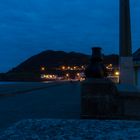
{"type": "Point", "coordinates": [136, 59]}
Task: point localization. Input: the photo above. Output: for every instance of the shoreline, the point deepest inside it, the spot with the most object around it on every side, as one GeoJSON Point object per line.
{"type": "Point", "coordinates": [13, 88]}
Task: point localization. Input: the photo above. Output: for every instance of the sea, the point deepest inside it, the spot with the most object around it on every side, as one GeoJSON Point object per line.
{"type": "Point", "coordinates": [4, 83]}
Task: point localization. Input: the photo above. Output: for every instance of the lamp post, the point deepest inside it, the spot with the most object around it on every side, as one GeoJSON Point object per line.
{"type": "Point", "coordinates": [126, 59]}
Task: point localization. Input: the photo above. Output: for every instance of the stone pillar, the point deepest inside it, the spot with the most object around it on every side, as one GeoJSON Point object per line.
{"type": "Point", "coordinates": [99, 96]}
{"type": "Point", "coordinates": [126, 60]}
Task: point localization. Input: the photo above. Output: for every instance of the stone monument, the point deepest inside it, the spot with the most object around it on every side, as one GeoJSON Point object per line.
{"type": "Point", "coordinates": [98, 94]}
{"type": "Point", "coordinates": [100, 98]}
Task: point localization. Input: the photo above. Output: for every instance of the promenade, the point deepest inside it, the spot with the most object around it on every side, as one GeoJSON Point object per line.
{"type": "Point", "coordinates": [37, 101]}
{"type": "Point", "coordinates": [52, 111]}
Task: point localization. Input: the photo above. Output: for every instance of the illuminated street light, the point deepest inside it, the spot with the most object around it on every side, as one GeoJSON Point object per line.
{"type": "Point", "coordinates": [117, 73]}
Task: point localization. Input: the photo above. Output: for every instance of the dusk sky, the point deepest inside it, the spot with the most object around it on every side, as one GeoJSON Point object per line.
{"type": "Point", "coordinates": [28, 27]}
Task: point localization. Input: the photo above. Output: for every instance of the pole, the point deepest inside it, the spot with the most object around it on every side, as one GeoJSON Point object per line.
{"type": "Point", "coordinates": [126, 60]}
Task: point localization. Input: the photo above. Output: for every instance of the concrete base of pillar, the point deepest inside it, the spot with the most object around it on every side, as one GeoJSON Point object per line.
{"type": "Point", "coordinates": [99, 99]}
{"type": "Point", "coordinates": [127, 71]}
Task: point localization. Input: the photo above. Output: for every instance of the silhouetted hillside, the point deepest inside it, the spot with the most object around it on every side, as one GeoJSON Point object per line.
{"type": "Point", "coordinates": [111, 59]}
{"type": "Point", "coordinates": [51, 59]}
{"type": "Point", "coordinates": [29, 70]}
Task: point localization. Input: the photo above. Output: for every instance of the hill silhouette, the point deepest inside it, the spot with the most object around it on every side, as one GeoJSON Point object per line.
{"type": "Point", "coordinates": [30, 69]}
{"type": "Point", "coordinates": [51, 59]}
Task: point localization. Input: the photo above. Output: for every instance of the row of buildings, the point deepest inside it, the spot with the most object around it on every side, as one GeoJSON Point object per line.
{"type": "Point", "coordinates": [77, 72]}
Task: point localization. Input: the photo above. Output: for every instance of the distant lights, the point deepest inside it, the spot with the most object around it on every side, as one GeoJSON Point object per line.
{"type": "Point", "coordinates": [78, 74]}
{"type": "Point", "coordinates": [72, 68]}
{"type": "Point", "coordinates": [83, 67]}
{"type": "Point", "coordinates": [42, 68]}
{"type": "Point", "coordinates": [67, 75]}
{"type": "Point", "coordinates": [110, 66]}
{"type": "Point", "coordinates": [48, 76]}
{"type": "Point", "coordinates": [69, 67]}
{"type": "Point", "coordinates": [63, 67]}
{"type": "Point", "coordinates": [117, 73]}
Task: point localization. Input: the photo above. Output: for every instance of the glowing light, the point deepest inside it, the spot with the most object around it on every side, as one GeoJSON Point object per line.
{"type": "Point", "coordinates": [42, 68]}
{"type": "Point", "coordinates": [69, 68]}
{"type": "Point", "coordinates": [67, 75]}
{"type": "Point", "coordinates": [78, 74]}
{"type": "Point", "coordinates": [43, 76]}
{"type": "Point", "coordinates": [82, 79]}
{"type": "Point", "coordinates": [83, 67]}
{"type": "Point", "coordinates": [63, 67]}
{"type": "Point", "coordinates": [117, 73]}
{"type": "Point", "coordinates": [48, 76]}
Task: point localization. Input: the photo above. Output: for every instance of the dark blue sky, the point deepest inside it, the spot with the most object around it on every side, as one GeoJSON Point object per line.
{"type": "Point", "coordinates": [28, 27]}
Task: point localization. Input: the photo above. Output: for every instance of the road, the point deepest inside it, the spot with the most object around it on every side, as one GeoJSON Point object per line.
{"type": "Point", "coordinates": [62, 101]}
